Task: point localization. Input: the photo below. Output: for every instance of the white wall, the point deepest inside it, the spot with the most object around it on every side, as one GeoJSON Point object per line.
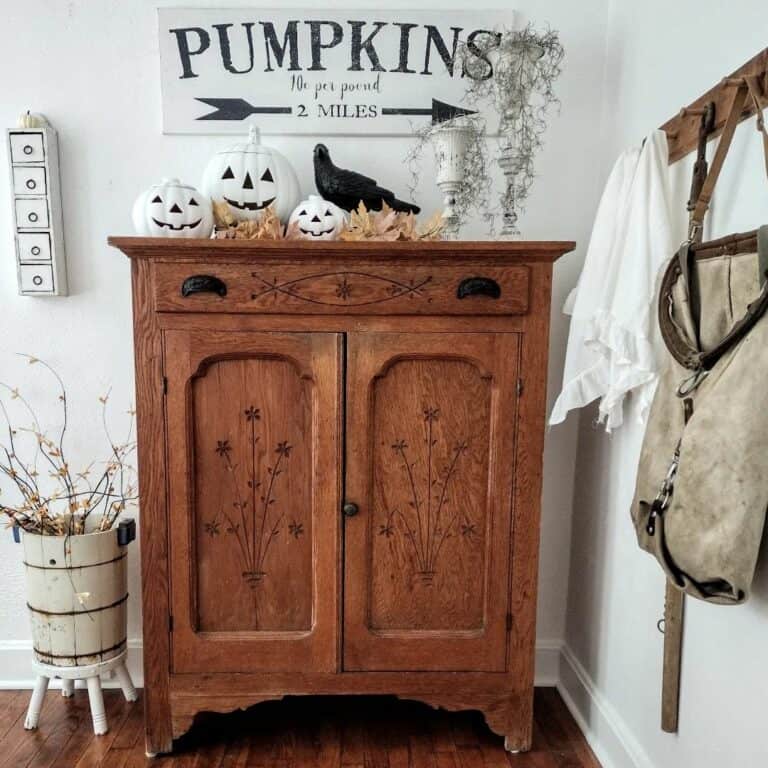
{"type": "Point", "coordinates": [92, 67]}
{"type": "Point", "coordinates": [662, 55]}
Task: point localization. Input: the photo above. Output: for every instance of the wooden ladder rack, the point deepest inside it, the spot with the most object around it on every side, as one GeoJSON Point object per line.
{"type": "Point", "coordinates": [683, 137]}
{"type": "Point", "coordinates": [683, 129]}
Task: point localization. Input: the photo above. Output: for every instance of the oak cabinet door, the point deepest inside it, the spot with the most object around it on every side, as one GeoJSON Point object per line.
{"type": "Point", "coordinates": [254, 483]}
{"type": "Point", "coordinates": [430, 464]}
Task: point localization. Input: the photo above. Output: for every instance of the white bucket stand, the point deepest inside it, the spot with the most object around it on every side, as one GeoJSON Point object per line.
{"type": "Point", "coordinates": [92, 675]}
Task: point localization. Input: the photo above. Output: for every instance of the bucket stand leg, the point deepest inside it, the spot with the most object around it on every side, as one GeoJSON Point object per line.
{"type": "Point", "coordinates": [67, 688]}
{"type": "Point", "coordinates": [124, 678]}
{"type": "Point", "coordinates": [36, 702]}
{"type": "Point", "coordinates": [98, 715]}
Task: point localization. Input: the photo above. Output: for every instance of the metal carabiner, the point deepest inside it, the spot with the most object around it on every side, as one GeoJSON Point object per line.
{"type": "Point", "coordinates": [692, 382]}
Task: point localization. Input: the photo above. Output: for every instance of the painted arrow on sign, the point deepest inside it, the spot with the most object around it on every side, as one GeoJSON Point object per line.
{"type": "Point", "coordinates": [439, 111]}
{"type": "Point", "coordinates": [238, 109]}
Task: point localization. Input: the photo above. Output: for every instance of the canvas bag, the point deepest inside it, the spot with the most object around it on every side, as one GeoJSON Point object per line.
{"type": "Point", "coordinates": [702, 486]}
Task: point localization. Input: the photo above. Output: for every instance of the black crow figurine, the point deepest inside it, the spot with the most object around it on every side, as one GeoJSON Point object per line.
{"type": "Point", "coordinates": [348, 188]}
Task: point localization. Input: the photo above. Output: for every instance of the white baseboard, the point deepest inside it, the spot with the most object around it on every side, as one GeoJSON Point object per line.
{"type": "Point", "coordinates": [548, 663]}
{"type": "Point", "coordinates": [16, 669]}
{"type": "Point", "coordinates": [605, 730]}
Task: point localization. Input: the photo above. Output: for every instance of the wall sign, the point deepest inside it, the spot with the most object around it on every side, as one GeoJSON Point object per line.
{"type": "Point", "coordinates": [310, 71]}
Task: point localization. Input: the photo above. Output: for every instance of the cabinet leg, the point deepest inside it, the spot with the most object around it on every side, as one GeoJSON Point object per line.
{"type": "Point", "coordinates": [36, 702]}
{"type": "Point", "coordinates": [98, 715]}
{"type": "Point", "coordinates": [151, 749]}
{"type": "Point", "coordinates": [512, 718]}
{"type": "Point", "coordinates": [67, 688]}
{"type": "Point", "coordinates": [513, 747]}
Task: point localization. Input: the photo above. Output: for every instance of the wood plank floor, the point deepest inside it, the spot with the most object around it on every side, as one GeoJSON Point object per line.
{"type": "Point", "coordinates": [327, 732]}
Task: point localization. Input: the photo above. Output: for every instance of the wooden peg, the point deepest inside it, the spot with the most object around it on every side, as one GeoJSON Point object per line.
{"type": "Point", "coordinates": [692, 111]}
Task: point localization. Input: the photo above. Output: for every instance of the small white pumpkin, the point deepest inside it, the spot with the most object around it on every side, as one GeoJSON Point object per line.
{"type": "Point", "coordinates": [316, 219]}
{"type": "Point", "coordinates": [249, 177]}
{"type": "Point", "coordinates": [172, 209]}
{"type": "Point", "coordinates": [30, 120]}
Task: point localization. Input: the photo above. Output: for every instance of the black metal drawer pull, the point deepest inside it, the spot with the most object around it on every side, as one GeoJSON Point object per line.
{"type": "Point", "coordinates": [478, 286]}
{"type": "Point", "coordinates": [203, 284]}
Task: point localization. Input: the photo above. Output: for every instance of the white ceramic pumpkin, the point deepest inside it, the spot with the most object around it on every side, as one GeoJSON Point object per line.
{"type": "Point", "coordinates": [172, 209]}
{"type": "Point", "coordinates": [316, 219]}
{"type": "Point", "coordinates": [249, 177]}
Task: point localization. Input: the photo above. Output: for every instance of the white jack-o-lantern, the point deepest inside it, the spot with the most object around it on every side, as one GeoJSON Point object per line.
{"type": "Point", "coordinates": [250, 177]}
{"type": "Point", "coordinates": [172, 209]}
{"type": "Point", "coordinates": [316, 219]}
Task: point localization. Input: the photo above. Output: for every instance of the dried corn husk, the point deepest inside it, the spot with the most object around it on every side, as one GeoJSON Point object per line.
{"type": "Point", "coordinates": [268, 227]}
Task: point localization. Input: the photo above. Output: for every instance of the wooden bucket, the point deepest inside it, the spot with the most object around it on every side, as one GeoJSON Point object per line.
{"type": "Point", "coordinates": [77, 595]}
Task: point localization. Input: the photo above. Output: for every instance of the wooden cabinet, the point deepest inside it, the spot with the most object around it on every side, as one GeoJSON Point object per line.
{"type": "Point", "coordinates": [339, 454]}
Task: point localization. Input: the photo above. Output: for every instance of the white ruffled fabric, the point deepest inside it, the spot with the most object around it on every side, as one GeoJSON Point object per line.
{"type": "Point", "coordinates": [611, 349]}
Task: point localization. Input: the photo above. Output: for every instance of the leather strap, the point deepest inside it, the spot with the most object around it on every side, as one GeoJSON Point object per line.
{"type": "Point", "coordinates": [762, 253]}
{"type": "Point", "coordinates": [683, 342]}
{"type": "Point", "coordinates": [685, 350]}
{"type": "Point", "coordinates": [750, 88]}
{"type": "Point", "coordinates": [701, 167]}
{"type": "Point", "coordinates": [760, 103]}
{"type": "Point", "coordinates": [707, 188]}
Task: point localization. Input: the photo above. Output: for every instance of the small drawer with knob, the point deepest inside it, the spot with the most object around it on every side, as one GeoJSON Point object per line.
{"type": "Point", "coordinates": [34, 246]}
{"type": "Point", "coordinates": [27, 147]}
{"type": "Point", "coordinates": [32, 213]}
{"type": "Point", "coordinates": [319, 289]}
{"type": "Point", "coordinates": [29, 180]}
{"type": "Point", "coordinates": [36, 278]}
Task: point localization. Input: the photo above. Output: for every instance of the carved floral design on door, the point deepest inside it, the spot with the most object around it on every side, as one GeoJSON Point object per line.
{"type": "Point", "coordinates": [426, 513]}
{"type": "Point", "coordinates": [252, 460]}
{"type": "Point", "coordinates": [256, 517]}
{"type": "Point", "coordinates": [431, 455]}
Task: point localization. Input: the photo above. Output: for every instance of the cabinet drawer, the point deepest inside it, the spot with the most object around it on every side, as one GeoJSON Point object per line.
{"type": "Point", "coordinates": [360, 290]}
{"type": "Point", "coordinates": [31, 213]}
{"type": "Point", "coordinates": [27, 148]}
{"type": "Point", "coordinates": [29, 180]}
{"type": "Point", "coordinates": [34, 246]}
{"type": "Point", "coordinates": [36, 278]}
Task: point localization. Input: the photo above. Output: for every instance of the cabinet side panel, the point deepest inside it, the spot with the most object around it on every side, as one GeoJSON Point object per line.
{"type": "Point", "coordinates": [527, 504]}
{"type": "Point", "coordinates": [153, 528]}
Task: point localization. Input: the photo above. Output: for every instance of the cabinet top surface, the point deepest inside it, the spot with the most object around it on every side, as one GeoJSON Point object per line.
{"type": "Point", "coordinates": [503, 251]}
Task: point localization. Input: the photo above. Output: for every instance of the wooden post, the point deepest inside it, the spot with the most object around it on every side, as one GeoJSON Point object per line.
{"type": "Point", "coordinates": [674, 605]}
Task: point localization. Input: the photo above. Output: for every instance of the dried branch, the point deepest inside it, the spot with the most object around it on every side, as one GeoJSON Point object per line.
{"type": "Point", "coordinates": [67, 508]}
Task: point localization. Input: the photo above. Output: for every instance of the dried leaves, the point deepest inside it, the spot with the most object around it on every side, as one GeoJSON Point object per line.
{"type": "Point", "coordinates": [384, 225]}
{"type": "Point", "coordinates": [389, 225]}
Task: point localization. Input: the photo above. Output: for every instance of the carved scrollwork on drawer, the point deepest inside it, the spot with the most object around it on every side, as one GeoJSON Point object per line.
{"type": "Point", "coordinates": [342, 288]}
